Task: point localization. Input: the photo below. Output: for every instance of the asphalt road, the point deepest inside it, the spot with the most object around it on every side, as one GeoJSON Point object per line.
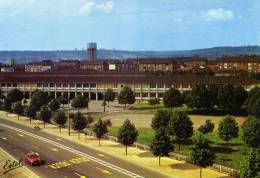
{"type": "Point", "coordinates": [65, 159]}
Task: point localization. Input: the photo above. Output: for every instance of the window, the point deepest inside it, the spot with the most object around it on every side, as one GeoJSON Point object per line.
{"type": "Point", "coordinates": [79, 85]}
{"type": "Point", "coordinates": [51, 85]}
{"type": "Point", "coordinates": [93, 85]}
{"type": "Point", "coordinates": [3, 84]}
{"type": "Point", "coordinates": [72, 85]}
{"type": "Point", "coordinates": [85, 85]}
{"type": "Point", "coordinates": [14, 84]}
{"type": "Point", "coordinates": [152, 85]}
{"type": "Point", "coordinates": [160, 85]}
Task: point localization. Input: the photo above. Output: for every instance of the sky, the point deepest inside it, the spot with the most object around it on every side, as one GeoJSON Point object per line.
{"type": "Point", "coordinates": [157, 25]}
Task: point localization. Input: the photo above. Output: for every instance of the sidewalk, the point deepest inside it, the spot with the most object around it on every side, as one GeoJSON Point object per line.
{"type": "Point", "coordinates": [169, 167]}
{"type": "Point", "coordinates": [21, 172]}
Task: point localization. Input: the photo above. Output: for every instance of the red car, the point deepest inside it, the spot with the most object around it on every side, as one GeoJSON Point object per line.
{"type": "Point", "coordinates": [32, 159]}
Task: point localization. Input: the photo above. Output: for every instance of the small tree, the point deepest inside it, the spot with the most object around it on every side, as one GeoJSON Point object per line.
{"type": "Point", "coordinates": [60, 118]}
{"type": "Point", "coordinates": [180, 126]}
{"type": "Point", "coordinates": [126, 96]}
{"type": "Point", "coordinates": [161, 119]}
{"type": "Point", "coordinates": [228, 128]}
{"type": "Point", "coordinates": [39, 99]}
{"type": "Point", "coordinates": [45, 115]}
{"type": "Point", "coordinates": [172, 98]}
{"type": "Point", "coordinates": [63, 100]}
{"type": "Point", "coordinates": [207, 127]}
{"type": "Point", "coordinates": [109, 95]}
{"type": "Point", "coordinates": [14, 95]}
{"type": "Point", "coordinates": [154, 101]}
{"type": "Point", "coordinates": [104, 105]}
{"type": "Point", "coordinates": [54, 105]}
{"type": "Point", "coordinates": [18, 109]}
{"type": "Point", "coordinates": [250, 165]}
{"type": "Point", "coordinates": [127, 134]}
{"type": "Point", "coordinates": [202, 154]}
{"type": "Point", "coordinates": [80, 102]}
{"type": "Point", "coordinates": [7, 105]}
{"type": "Point", "coordinates": [79, 122]}
{"type": "Point", "coordinates": [251, 132]}
{"type": "Point", "coordinates": [161, 144]}
{"type": "Point", "coordinates": [100, 129]}
{"type": "Point", "coordinates": [30, 112]}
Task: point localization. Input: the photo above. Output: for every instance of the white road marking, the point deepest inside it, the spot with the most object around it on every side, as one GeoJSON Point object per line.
{"type": "Point", "coordinates": [92, 158]}
{"type": "Point", "coordinates": [3, 138]}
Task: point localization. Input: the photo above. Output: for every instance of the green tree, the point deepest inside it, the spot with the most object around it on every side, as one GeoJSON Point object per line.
{"type": "Point", "coordinates": [80, 102]}
{"type": "Point", "coordinates": [228, 128]}
{"type": "Point", "coordinates": [45, 115]}
{"type": "Point", "coordinates": [126, 96]}
{"type": "Point", "coordinates": [251, 102]}
{"type": "Point", "coordinates": [14, 95]}
{"type": "Point", "coordinates": [100, 129]}
{"type": "Point", "coordinates": [172, 98]}
{"type": "Point", "coordinates": [207, 127]}
{"type": "Point", "coordinates": [251, 132]}
{"type": "Point", "coordinates": [250, 165]}
{"type": "Point", "coordinates": [153, 101]}
{"type": "Point", "coordinates": [127, 134]}
{"type": "Point", "coordinates": [231, 98]}
{"type": "Point", "coordinates": [161, 144]}
{"type": "Point", "coordinates": [54, 105]}
{"type": "Point", "coordinates": [201, 97]}
{"type": "Point", "coordinates": [18, 109]}
{"type": "Point", "coordinates": [60, 118]}
{"type": "Point", "coordinates": [30, 112]}
{"type": "Point", "coordinates": [202, 154]}
{"type": "Point", "coordinates": [213, 94]}
{"type": "Point", "coordinates": [39, 99]}
{"type": "Point", "coordinates": [109, 96]}
{"type": "Point", "coordinates": [187, 98]}
{"type": "Point", "coordinates": [161, 119]}
{"type": "Point", "coordinates": [104, 105]}
{"type": "Point", "coordinates": [7, 105]}
{"type": "Point", "coordinates": [180, 126]}
{"type": "Point", "coordinates": [63, 100]}
{"type": "Point", "coordinates": [79, 122]}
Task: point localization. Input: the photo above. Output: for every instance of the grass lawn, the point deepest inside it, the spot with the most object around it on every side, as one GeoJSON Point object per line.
{"type": "Point", "coordinates": [227, 155]}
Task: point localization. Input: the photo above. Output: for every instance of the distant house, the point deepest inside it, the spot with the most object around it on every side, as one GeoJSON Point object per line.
{"type": "Point", "coordinates": [192, 64]}
{"type": "Point", "coordinates": [72, 64]}
{"type": "Point", "coordinates": [7, 69]}
{"type": "Point", "coordinates": [240, 63]}
{"type": "Point", "coordinates": [99, 65]}
{"type": "Point", "coordinates": [41, 66]}
{"type": "Point", "coordinates": [157, 64]}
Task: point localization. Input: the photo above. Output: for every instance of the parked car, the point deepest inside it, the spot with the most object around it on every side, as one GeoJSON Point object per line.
{"type": "Point", "coordinates": [33, 159]}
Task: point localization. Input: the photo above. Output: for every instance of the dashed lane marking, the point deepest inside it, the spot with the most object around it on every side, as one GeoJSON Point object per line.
{"type": "Point", "coordinates": [104, 171]}
{"type": "Point", "coordinates": [4, 138]}
{"type": "Point", "coordinates": [72, 150]}
{"type": "Point", "coordinates": [54, 149]}
{"type": "Point", "coordinates": [21, 135]}
{"type": "Point", "coordinates": [59, 139]}
{"type": "Point", "coordinates": [81, 176]}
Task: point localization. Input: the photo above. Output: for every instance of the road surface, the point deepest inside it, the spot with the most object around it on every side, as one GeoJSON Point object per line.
{"type": "Point", "coordinates": [65, 159]}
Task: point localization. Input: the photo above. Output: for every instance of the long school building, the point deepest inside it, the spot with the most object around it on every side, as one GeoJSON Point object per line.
{"type": "Point", "coordinates": [94, 84]}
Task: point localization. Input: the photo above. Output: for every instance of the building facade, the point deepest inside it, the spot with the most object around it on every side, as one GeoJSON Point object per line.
{"type": "Point", "coordinates": [157, 64]}
{"type": "Point", "coordinates": [241, 63]}
{"type": "Point", "coordinates": [93, 85]}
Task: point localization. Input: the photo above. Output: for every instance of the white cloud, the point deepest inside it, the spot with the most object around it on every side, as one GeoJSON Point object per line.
{"type": "Point", "coordinates": [90, 6]}
{"type": "Point", "coordinates": [219, 14]}
{"type": "Point", "coordinates": [106, 7]}
{"type": "Point", "coordinates": [87, 8]}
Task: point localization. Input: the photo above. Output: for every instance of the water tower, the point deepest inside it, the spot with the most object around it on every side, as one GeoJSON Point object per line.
{"type": "Point", "coordinates": [92, 51]}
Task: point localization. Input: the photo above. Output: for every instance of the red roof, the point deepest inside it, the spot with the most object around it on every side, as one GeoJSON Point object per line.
{"type": "Point", "coordinates": [97, 77]}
